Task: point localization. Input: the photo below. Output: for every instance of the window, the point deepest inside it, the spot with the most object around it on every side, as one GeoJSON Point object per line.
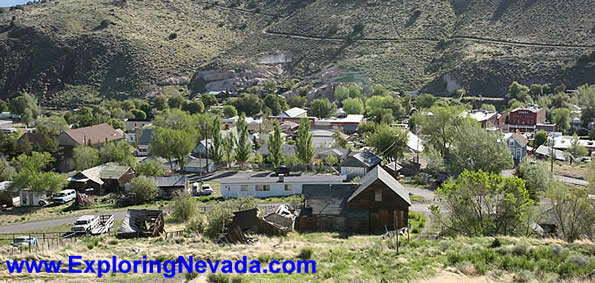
{"type": "Point", "coordinates": [244, 188]}
{"type": "Point", "coordinates": [288, 187]}
{"type": "Point", "coordinates": [263, 188]}
{"type": "Point", "coordinates": [378, 195]}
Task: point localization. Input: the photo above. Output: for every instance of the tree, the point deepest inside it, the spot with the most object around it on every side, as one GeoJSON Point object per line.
{"type": "Point", "coordinates": [139, 114]}
{"type": "Point", "coordinates": [474, 148]}
{"type": "Point", "coordinates": [275, 144]}
{"type": "Point", "coordinates": [3, 106]}
{"type": "Point", "coordinates": [176, 101]}
{"type": "Point", "coordinates": [183, 207]}
{"type": "Point", "coordinates": [119, 151]}
{"type": "Point", "coordinates": [540, 138]}
{"type": "Point", "coordinates": [178, 120]}
{"type": "Point", "coordinates": [488, 107]}
{"type": "Point", "coordinates": [439, 128]}
{"type": "Point", "coordinates": [381, 106]}
{"type": "Point", "coordinates": [194, 107]}
{"type": "Point", "coordinates": [536, 90]}
{"type": "Point", "coordinates": [561, 118]}
{"type": "Point", "coordinates": [208, 100]}
{"type": "Point", "coordinates": [85, 157]}
{"type": "Point", "coordinates": [519, 92]}
{"type": "Point", "coordinates": [572, 211]}
{"type": "Point", "coordinates": [31, 175]}
{"type": "Point", "coordinates": [144, 189]}
{"type": "Point", "coordinates": [216, 150]}
{"type": "Point", "coordinates": [151, 168]}
{"type": "Point", "coordinates": [536, 175]}
{"type": "Point", "coordinates": [298, 101]}
{"type": "Point", "coordinates": [171, 143]}
{"type": "Point", "coordinates": [304, 148]}
{"type": "Point", "coordinates": [160, 102]}
{"type": "Point", "coordinates": [340, 140]}
{"type": "Point", "coordinates": [25, 104]}
{"type": "Point", "coordinates": [425, 100]}
{"type": "Point", "coordinates": [276, 103]}
{"type": "Point", "coordinates": [389, 142]}
{"type": "Point", "coordinates": [576, 148]}
{"type": "Point", "coordinates": [353, 106]}
{"type": "Point", "coordinates": [322, 108]}
{"type": "Point", "coordinates": [244, 147]}
{"type": "Point", "coordinates": [228, 146]}
{"type": "Point", "coordinates": [248, 103]}
{"type": "Point", "coordinates": [481, 204]}
{"type": "Point", "coordinates": [230, 111]}
{"type": "Point", "coordinates": [331, 160]}
{"type": "Point", "coordinates": [366, 128]}
{"type": "Point", "coordinates": [52, 125]}
{"type": "Point", "coordinates": [7, 172]}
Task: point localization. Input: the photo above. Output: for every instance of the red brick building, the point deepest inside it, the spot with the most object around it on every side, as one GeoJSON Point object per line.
{"type": "Point", "coordinates": [525, 119]}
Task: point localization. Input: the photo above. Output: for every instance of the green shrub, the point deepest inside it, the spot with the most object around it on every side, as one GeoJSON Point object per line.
{"type": "Point", "coordinates": [520, 248]}
{"type": "Point", "coordinates": [183, 207]}
{"type": "Point", "coordinates": [305, 253]}
{"type": "Point", "coordinates": [197, 224]}
{"type": "Point", "coordinates": [218, 278]}
{"type": "Point", "coordinates": [113, 242]}
{"type": "Point", "coordinates": [496, 243]}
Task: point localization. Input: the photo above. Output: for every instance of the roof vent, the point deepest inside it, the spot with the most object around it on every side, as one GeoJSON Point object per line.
{"type": "Point", "coordinates": [281, 178]}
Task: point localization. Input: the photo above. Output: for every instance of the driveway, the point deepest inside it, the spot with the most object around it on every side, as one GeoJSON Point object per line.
{"type": "Point", "coordinates": [47, 223]}
{"type": "Point", "coordinates": [563, 179]}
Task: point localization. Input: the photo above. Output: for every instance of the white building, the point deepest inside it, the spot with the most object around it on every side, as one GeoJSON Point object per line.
{"type": "Point", "coordinates": [262, 187]}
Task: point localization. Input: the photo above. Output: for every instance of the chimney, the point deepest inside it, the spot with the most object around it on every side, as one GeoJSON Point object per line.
{"type": "Point", "coordinates": [281, 178]}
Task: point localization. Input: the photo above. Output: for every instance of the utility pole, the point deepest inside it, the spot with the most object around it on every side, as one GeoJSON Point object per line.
{"type": "Point", "coordinates": [552, 154]}
{"type": "Point", "coordinates": [207, 144]}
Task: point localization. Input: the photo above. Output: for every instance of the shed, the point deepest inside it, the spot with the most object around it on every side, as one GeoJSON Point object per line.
{"type": "Point", "coordinates": [358, 164]}
{"type": "Point", "coordinates": [142, 223]}
{"type": "Point", "coordinates": [170, 185]}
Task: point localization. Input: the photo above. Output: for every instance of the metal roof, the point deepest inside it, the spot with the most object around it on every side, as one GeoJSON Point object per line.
{"type": "Point", "coordinates": [316, 179]}
{"type": "Point", "coordinates": [379, 174]}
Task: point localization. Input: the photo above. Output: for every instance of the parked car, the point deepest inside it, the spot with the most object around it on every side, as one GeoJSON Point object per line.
{"type": "Point", "coordinates": [85, 224]}
{"type": "Point", "coordinates": [204, 190]}
{"type": "Point", "coordinates": [64, 196]}
{"type": "Point", "coordinates": [24, 241]}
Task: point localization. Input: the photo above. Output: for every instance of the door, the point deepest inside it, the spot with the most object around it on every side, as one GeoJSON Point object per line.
{"type": "Point", "coordinates": [379, 220]}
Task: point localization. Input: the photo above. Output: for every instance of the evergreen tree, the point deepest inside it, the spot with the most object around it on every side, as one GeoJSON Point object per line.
{"type": "Point", "coordinates": [215, 152]}
{"type": "Point", "coordinates": [228, 145]}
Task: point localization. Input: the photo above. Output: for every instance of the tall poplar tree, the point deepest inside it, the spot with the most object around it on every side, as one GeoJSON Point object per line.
{"type": "Point", "coordinates": [304, 148]}
{"type": "Point", "coordinates": [275, 144]}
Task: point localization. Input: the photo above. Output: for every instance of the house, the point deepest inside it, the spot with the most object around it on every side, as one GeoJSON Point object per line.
{"type": "Point", "coordinates": [525, 119]}
{"type": "Point", "coordinates": [347, 124]}
{"type": "Point", "coordinates": [323, 138]}
{"type": "Point", "coordinates": [164, 162]}
{"type": "Point", "coordinates": [143, 141]}
{"type": "Point", "coordinates": [517, 143]}
{"type": "Point", "coordinates": [359, 164]}
{"type": "Point", "coordinates": [93, 136]}
{"type": "Point", "coordinates": [201, 148]}
{"type": "Point", "coordinates": [289, 128]}
{"type": "Point", "coordinates": [294, 112]}
{"type": "Point", "coordinates": [262, 187]}
{"type": "Point", "coordinates": [169, 186]}
{"type": "Point", "coordinates": [286, 149]}
{"type": "Point", "coordinates": [200, 165]}
{"type": "Point", "coordinates": [102, 179]}
{"type": "Point", "coordinates": [378, 203]}
{"type": "Point", "coordinates": [544, 151]}
{"type": "Point", "coordinates": [323, 152]}
{"type": "Point", "coordinates": [565, 142]}
{"type": "Point", "coordinates": [487, 119]}
{"type": "Point", "coordinates": [133, 125]}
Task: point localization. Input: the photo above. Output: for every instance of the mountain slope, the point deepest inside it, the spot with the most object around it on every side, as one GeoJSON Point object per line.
{"type": "Point", "coordinates": [61, 49]}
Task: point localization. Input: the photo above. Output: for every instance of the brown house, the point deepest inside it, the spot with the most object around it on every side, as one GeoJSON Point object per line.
{"type": "Point", "coordinates": [102, 179]}
{"type": "Point", "coordinates": [378, 203]}
{"type": "Point", "coordinates": [93, 136]}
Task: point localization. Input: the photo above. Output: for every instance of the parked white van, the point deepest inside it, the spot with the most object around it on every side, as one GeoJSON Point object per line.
{"type": "Point", "coordinates": [64, 196]}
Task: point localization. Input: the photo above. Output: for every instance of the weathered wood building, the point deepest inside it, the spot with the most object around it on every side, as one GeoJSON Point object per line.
{"type": "Point", "coordinates": [377, 203]}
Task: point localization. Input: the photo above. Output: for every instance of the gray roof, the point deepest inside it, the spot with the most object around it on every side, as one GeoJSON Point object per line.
{"type": "Point", "coordinates": [170, 181]}
{"type": "Point", "coordinates": [364, 158]}
{"type": "Point", "coordinates": [287, 149]}
{"type": "Point", "coordinates": [547, 151]}
{"type": "Point", "coordinates": [145, 136]}
{"type": "Point", "coordinates": [340, 152]}
{"type": "Point", "coordinates": [317, 179]}
{"type": "Point", "coordinates": [329, 199]}
{"type": "Point", "coordinates": [293, 112]}
{"type": "Point", "coordinates": [198, 163]}
{"type": "Point", "coordinates": [379, 174]}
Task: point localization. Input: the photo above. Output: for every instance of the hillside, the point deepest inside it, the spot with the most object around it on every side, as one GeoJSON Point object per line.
{"type": "Point", "coordinates": [106, 48]}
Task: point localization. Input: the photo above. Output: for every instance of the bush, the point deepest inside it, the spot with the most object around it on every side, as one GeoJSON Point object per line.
{"type": "Point", "coordinates": [496, 243]}
{"type": "Point", "coordinates": [218, 278]}
{"type": "Point", "coordinates": [144, 188]}
{"type": "Point", "coordinates": [197, 224]}
{"type": "Point", "coordinates": [520, 248]}
{"type": "Point", "coordinates": [222, 214]}
{"type": "Point", "coordinates": [305, 253]}
{"type": "Point", "coordinates": [183, 207]}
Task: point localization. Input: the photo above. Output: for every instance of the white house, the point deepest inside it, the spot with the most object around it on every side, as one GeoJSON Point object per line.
{"type": "Point", "coordinates": [262, 187]}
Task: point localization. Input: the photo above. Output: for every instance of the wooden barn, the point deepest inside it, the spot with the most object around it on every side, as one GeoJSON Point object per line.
{"type": "Point", "coordinates": [377, 203]}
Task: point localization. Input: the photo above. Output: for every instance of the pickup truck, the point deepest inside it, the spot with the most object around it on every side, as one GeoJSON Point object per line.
{"type": "Point", "coordinates": [93, 224]}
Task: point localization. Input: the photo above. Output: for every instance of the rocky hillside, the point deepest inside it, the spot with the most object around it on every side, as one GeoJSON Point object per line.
{"type": "Point", "coordinates": [88, 49]}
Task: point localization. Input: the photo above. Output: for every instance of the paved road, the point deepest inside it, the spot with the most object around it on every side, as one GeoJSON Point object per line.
{"type": "Point", "coordinates": [47, 223]}
{"type": "Point", "coordinates": [563, 179]}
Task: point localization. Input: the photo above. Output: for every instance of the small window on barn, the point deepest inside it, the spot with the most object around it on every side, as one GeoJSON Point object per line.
{"type": "Point", "coordinates": [378, 195]}
{"type": "Point", "coordinates": [263, 188]}
{"type": "Point", "coordinates": [288, 187]}
{"type": "Point", "coordinates": [266, 188]}
{"type": "Point", "coordinates": [244, 188]}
